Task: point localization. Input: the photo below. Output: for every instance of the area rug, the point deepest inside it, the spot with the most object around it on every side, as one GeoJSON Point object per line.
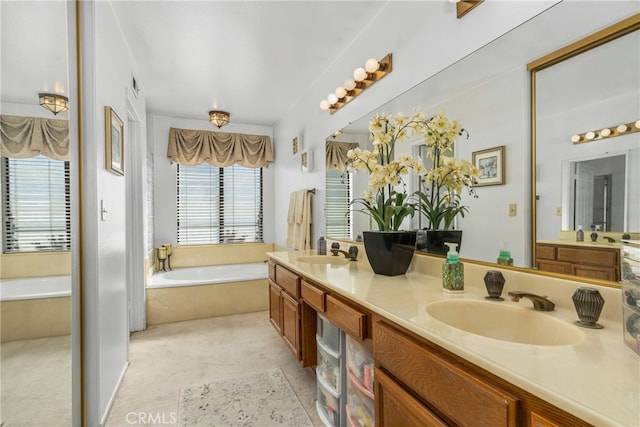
{"type": "Point", "coordinates": [260, 400]}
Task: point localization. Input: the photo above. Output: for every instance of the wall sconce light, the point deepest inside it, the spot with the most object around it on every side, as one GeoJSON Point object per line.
{"type": "Point", "coordinates": [608, 132]}
{"type": "Point", "coordinates": [464, 6]}
{"type": "Point", "coordinates": [363, 77]}
{"type": "Point", "coordinates": [54, 102]}
{"type": "Point", "coordinates": [337, 133]}
{"type": "Point", "coordinates": [218, 118]}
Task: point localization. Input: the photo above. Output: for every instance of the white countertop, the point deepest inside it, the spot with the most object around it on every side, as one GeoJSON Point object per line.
{"type": "Point", "coordinates": [597, 380]}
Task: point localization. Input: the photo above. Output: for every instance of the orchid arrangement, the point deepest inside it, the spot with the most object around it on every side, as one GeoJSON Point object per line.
{"type": "Point", "coordinates": [441, 202]}
{"type": "Point", "coordinates": [386, 200]}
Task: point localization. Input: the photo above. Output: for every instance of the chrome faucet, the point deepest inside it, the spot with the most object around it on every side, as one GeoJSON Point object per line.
{"type": "Point", "coordinates": [540, 303]}
{"type": "Point", "coordinates": [352, 254]}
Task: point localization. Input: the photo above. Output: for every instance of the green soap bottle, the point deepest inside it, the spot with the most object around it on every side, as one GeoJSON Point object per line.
{"type": "Point", "coordinates": [505, 257]}
{"type": "Point", "coordinates": [452, 271]}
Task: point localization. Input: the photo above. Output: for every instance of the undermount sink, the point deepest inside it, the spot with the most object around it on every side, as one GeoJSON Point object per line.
{"type": "Point", "coordinates": [322, 259]}
{"type": "Point", "coordinates": [503, 322]}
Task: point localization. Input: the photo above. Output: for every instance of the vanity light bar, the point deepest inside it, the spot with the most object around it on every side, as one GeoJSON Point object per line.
{"type": "Point", "coordinates": [362, 78]}
{"type": "Point", "coordinates": [610, 132]}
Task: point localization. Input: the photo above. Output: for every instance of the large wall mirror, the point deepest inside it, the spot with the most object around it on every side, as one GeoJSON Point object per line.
{"type": "Point", "coordinates": [35, 275]}
{"type": "Point", "coordinates": [585, 141]}
{"type": "Point", "coordinates": [489, 92]}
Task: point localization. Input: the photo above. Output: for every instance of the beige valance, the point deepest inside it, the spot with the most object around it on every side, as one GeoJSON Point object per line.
{"type": "Point", "coordinates": [193, 147]}
{"type": "Point", "coordinates": [23, 137]}
{"type": "Point", "coordinates": [337, 154]}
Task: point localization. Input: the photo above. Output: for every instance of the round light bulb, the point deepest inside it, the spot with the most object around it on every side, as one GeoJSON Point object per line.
{"type": "Point", "coordinates": [637, 124]}
{"type": "Point", "coordinates": [324, 104]}
{"type": "Point", "coordinates": [590, 135]}
{"type": "Point", "coordinates": [359, 74]}
{"type": "Point", "coordinates": [575, 138]}
{"type": "Point", "coordinates": [349, 84]}
{"type": "Point", "coordinates": [605, 132]}
{"type": "Point", "coordinates": [332, 98]}
{"type": "Point", "coordinates": [371, 65]}
{"type": "Point", "coordinates": [341, 92]}
{"type": "Point", "coordinates": [622, 128]}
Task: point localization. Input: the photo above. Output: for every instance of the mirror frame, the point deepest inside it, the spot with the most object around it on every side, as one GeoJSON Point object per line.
{"type": "Point", "coordinates": [594, 40]}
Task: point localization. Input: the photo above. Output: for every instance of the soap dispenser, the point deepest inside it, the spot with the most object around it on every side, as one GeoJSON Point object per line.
{"type": "Point", "coordinates": [505, 256]}
{"type": "Point", "coordinates": [322, 246]}
{"type": "Point", "coordinates": [452, 271]}
{"type": "Point", "coordinates": [579, 234]}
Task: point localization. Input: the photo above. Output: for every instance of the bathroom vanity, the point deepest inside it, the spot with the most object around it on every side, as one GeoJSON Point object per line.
{"type": "Point", "coordinates": [594, 261]}
{"type": "Point", "coordinates": [430, 373]}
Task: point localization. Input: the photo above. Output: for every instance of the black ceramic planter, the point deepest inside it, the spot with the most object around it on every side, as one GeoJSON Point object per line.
{"type": "Point", "coordinates": [435, 241]}
{"type": "Point", "coordinates": [389, 252]}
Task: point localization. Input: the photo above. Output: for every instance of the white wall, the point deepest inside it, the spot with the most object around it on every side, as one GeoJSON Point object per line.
{"type": "Point", "coordinates": [164, 175]}
{"type": "Point", "coordinates": [107, 66]}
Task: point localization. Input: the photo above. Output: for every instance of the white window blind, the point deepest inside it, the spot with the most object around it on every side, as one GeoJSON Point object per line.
{"type": "Point", "coordinates": [219, 205]}
{"type": "Point", "coordinates": [36, 207]}
{"type": "Point", "coordinates": [338, 212]}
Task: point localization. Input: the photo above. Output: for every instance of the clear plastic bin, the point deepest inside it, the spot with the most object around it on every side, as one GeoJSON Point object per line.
{"type": "Point", "coordinates": [327, 404]}
{"type": "Point", "coordinates": [329, 334]}
{"type": "Point", "coordinates": [328, 367]}
{"type": "Point", "coordinates": [360, 363]}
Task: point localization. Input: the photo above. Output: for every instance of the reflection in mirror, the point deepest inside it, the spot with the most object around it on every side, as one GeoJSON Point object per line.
{"type": "Point", "coordinates": [599, 191]}
{"type": "Point", "coordinates": [35, 284]}
{"type": "Point", "coordinates": [493, 103]}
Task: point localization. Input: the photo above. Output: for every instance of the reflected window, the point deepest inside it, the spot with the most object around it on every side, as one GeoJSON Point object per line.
{"type": "Point", "coordinates": [219, 205]}
{"type": "Point", "coordinates": [338, 215]}
{"type": "Point", "coordinates": [36, 205]}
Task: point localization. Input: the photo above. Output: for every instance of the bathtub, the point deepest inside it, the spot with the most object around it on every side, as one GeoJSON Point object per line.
{"type": "Point", "coordinates": [35, 307]}
{"type": "Point", "coordinates": [212, 274]}
{"type": "Point", "coordinates": [201, 292]}
{"type": "Point", "coordinates": [35, 288]}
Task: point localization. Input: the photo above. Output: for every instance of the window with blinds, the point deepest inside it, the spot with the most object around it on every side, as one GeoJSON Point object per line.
{"type": "Point", "coordinates": [338, 214]}
{"type": "Point", "coordinates": [36, 205]}
{"type": "Point", "coordinates": [219, 205]}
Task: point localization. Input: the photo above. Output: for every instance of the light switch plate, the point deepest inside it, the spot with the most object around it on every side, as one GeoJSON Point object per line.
{"type": "Point", "coordinates": [512, 209]}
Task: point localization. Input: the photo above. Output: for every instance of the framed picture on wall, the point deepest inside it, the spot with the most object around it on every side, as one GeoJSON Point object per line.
{"type": "Point", "coordinates": [491, 164]}
{"type": "Point", "coordinates": [296, 145]}
{"type": "Point", "coordinates": [306, 161]}
{"type": "Point", "coordinates": [114, 142]}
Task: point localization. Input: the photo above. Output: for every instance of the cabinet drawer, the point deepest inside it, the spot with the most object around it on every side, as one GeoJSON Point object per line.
{"type": "Point", "coordinates": [289, 281]}
{"type": "Point", "coordinates": [588, 256]}
{"type": "Point", "coordinates": [452, 392]}
{"type": "Point", "coordinates": [313, 296]}
{"type": "Point", "coordinates": [595, 272]}
{"type": "Point", "coordinates": [347, 318]}
{"type": "Point", "coordinates": [545, 252]}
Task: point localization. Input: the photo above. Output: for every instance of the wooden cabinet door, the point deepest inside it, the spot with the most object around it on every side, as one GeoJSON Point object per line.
{"type": "Point", "coordinates": [397, 408]}
{"type": "Point", "coordinates": [554, 266]}
{"type": "Point", "coordinates": [291, 323]}
{"type": "Point", "coordinates": [595, 272]}
{"type": "Point", "coordinates": [275, 309]}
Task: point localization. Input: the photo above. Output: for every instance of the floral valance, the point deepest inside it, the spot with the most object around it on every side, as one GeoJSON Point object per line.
{"type": "Point", "coordinates": [337, 154]}
{"type": "Point", "coordinates": [193, 147]}
{"type": "Point", "coordinates": [24, 137]}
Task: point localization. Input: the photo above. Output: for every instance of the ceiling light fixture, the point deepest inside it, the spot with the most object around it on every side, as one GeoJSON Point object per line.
{"type": "Point", "coordinates": [464, 6]}
{"type": "Point", "coordinates": [54, 102]}
{"type": "Point", "coordinates": [218, 118]}
{"type": "Point", "coordinates": [363, 77]}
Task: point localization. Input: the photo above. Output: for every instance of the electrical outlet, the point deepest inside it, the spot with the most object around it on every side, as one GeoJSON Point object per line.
{"type": "Point", "coordinates": [512, 209]}
{"type": "Point", "coordinates": [559, 211]}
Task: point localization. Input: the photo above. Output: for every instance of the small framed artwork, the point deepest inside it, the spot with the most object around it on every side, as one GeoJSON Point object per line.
{"type": "Point", "coordinates": [114, 142]}
{"type": "Point", "coordinates": [296, 145]}
{"type": "Point", "coordinates": [491, 165]}
{"type": "Point", "coordinates": [306, 161]}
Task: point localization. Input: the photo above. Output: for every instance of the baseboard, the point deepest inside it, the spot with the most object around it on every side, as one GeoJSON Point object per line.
{"type": "Point", "coordinates": [107, 411]}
